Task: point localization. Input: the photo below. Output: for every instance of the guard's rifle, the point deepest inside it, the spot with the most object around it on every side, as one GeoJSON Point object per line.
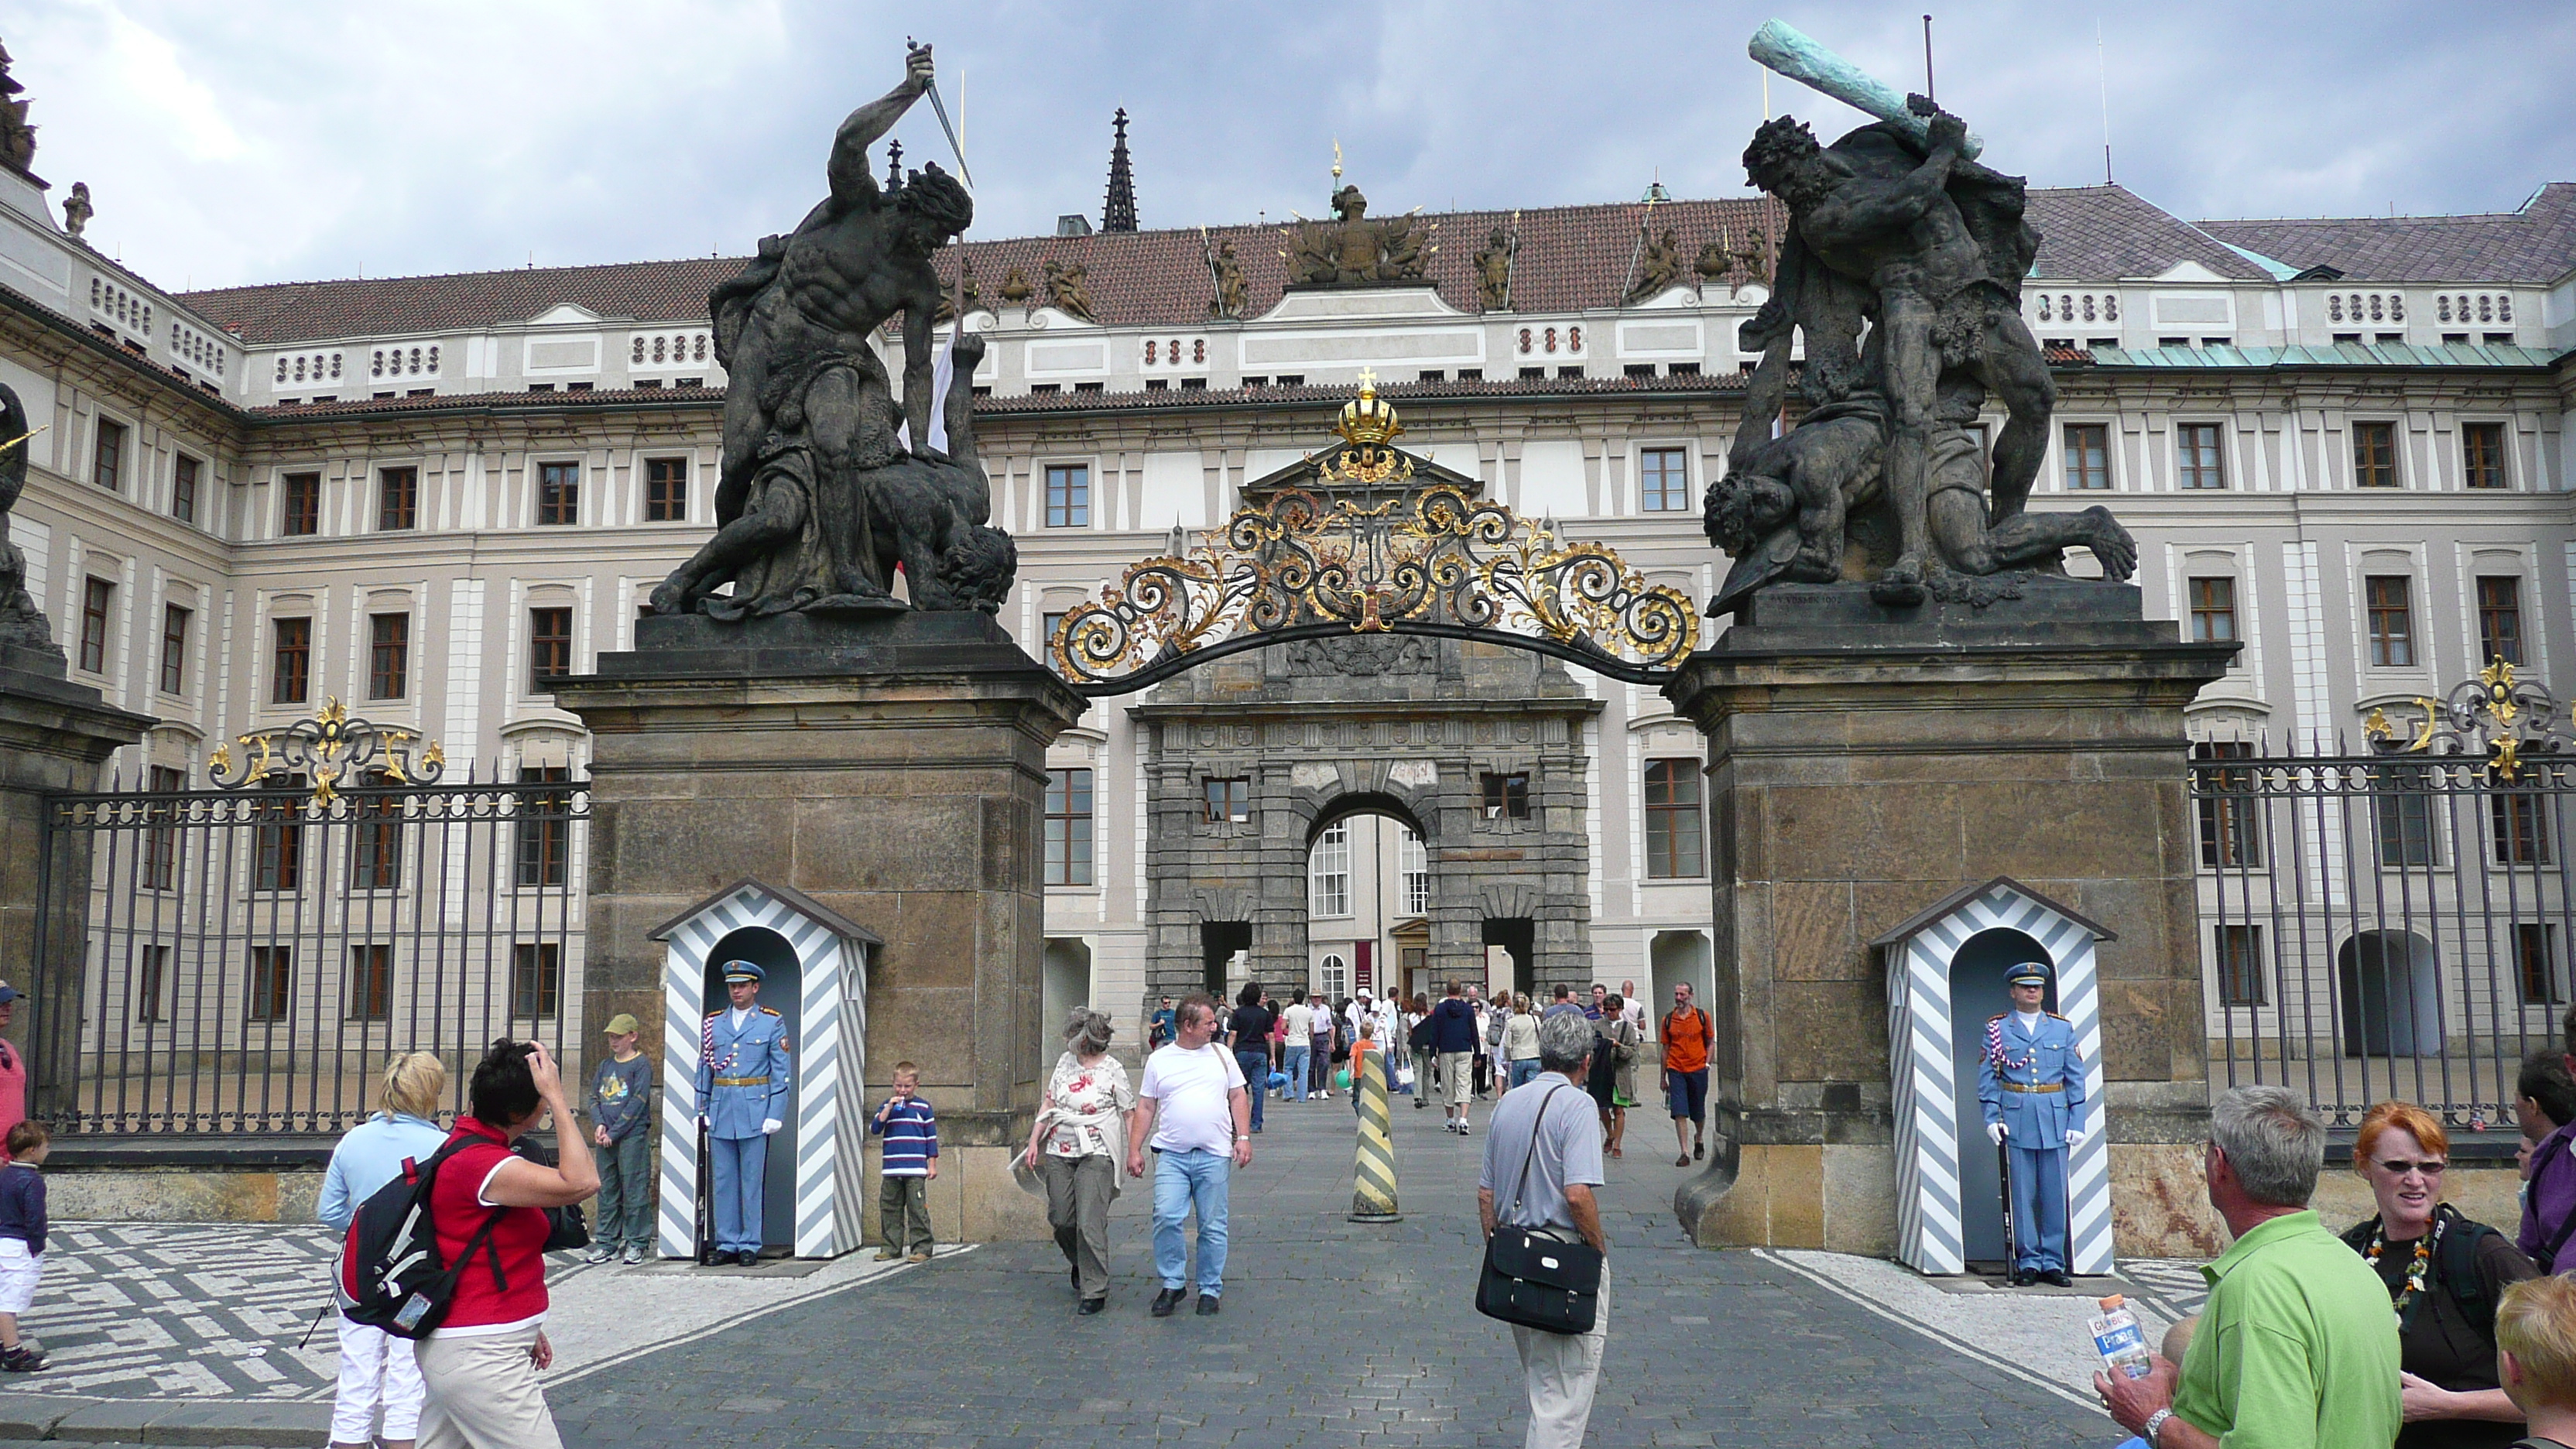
{"type": "Point", "coordinates": [2003, 1187]}
{"type": "Point", "coordinates": [705, 1202]}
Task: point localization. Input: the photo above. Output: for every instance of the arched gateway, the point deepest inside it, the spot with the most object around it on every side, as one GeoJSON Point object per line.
{"type": "Point", "coordinates": [1368, 635]}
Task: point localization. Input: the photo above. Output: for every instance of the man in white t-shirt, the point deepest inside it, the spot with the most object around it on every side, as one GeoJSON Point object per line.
{"type": "Point", "coordinates": [1298, 1021]}
{"type": "Point", "coordinates": [1635, 1010]}
{"type": "Point", "coordinates": [1193, 1109]}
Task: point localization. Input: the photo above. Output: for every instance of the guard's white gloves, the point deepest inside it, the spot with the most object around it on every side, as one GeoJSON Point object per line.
{"type": "Point", "coordinates": [1995, 1130]}
{"type": "Point", "coordinates": [2074, 1135]}
{"type": "Point", "coordinates": [772, 1125]}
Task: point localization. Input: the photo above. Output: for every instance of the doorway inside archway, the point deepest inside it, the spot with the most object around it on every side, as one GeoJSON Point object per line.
{"type": "Point", "coordinates": [1368, 903]}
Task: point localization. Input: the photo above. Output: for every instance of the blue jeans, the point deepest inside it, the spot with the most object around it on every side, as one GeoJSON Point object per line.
{"type": "Point", "coordinates": [1183, 1180]}
{"type": "Point", "coordinates": [1256, 1078]}
{"type": "Point", "coordinates": [1297, 1071]}
{"type": "Point", "coordinates": [1524, 1069]}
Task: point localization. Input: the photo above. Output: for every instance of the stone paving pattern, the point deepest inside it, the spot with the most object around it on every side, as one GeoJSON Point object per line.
{"type": "Point", "coordinates": [1333, 1333]}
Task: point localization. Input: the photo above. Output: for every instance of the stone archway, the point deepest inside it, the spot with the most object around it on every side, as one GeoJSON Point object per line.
{"type": "Point", "coordinates": [1477, 747]}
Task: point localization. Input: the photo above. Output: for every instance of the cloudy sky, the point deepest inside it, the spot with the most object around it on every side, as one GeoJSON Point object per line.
{"type": "Point", "coordinates": [259, 140]}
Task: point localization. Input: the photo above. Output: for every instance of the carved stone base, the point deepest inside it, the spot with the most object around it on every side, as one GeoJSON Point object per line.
{"type": "Point", "coordinates": [1863, 763]}
{"type": "Point", "coordinates": [894, 770]}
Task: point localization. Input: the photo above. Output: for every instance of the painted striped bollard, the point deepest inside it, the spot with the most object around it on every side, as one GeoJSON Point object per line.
{"type": "Point", "coordinates": [1373, 1177]}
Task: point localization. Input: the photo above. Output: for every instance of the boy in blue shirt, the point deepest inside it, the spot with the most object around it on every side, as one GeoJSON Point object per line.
{"type": "Point", "coordinates": [908, 1167]}
{"type": "Point", "coordinates": [22, 1240]}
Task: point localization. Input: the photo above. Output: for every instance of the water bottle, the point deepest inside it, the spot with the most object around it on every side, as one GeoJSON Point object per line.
{"type": "Point", "coordinates": [2117, 1337]}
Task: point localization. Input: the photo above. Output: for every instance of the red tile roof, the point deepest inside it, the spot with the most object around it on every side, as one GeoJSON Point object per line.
{"type": "Point", "coordinates": [2104, 233]}
{"type": "Point", "coordinates": [2534, 246]}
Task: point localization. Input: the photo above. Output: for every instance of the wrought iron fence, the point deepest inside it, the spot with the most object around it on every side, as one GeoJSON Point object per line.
{"type": "Point", "coordinates": [253, 956]}
{"type": "Point", "coordinates": [2393, 923]}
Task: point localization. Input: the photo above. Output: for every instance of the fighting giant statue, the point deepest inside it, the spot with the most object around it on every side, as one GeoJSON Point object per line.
{"type": "Point", "coordinates": [828, 484]}
{"type": "Point", "coordinates": [22, 624]}
{"type": "Point", "coordinates": [1901, 267]}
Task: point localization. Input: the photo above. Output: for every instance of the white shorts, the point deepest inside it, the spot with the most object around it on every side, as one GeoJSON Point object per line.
{"type": "Point", "coordinates": [18, 1275]}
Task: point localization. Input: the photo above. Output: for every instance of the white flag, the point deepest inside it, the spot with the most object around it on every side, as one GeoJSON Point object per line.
{"type": "Point", "coordinates": [942, 373]}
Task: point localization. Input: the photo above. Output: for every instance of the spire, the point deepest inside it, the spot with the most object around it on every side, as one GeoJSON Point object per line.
{"type": "Point", "coordinates": [1119, 213]}
{"type": "Point", "coordinates": [894, 165]}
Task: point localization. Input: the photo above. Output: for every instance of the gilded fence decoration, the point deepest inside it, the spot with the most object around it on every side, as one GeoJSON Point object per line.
{"type": "Point", "coordinates": [2495, 717]}
{"type": "Point", "coordinates": [331, 750]}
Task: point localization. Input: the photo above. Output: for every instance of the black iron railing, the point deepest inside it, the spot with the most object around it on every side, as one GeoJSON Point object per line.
{"type": "Point", "coordinates": [2395, 923]}
{"type": "Point", "coordinates": [252, 957]}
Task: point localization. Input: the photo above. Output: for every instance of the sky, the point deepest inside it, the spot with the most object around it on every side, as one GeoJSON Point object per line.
{"type": "Point", "coordinates": [256, 141]}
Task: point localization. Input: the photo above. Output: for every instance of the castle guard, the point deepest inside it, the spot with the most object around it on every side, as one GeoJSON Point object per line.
{"type": "Point", "coordinates": [743, 1077]}
{"type": "Point", "coordinates": [2031, 1083]}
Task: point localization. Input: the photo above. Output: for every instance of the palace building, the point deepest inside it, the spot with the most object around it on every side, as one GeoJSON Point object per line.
{"type": "Point", "coordinates": [2341, 441]}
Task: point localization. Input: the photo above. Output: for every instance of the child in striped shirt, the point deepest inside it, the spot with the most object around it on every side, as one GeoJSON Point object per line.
{"type": "Point", "coordinates": [910, 1162]}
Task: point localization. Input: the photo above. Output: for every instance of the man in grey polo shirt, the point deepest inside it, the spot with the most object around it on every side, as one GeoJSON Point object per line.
{"type": "Point", "coordinates": [1559, 1370]}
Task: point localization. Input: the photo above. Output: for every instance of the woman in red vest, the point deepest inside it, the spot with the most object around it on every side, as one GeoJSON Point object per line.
{"type": "Point", "coordinates": [480, 1366]}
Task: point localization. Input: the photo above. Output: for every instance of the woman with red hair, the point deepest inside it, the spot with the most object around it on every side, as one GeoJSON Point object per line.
{"type": "Point", "coordinates": [2445, 1275]}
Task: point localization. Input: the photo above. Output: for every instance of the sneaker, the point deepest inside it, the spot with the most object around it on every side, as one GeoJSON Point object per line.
{"type": "Point", "coordinates": [21, 1360]}
{"type": "Point", "coordinates": [599, 1253]}
{"type": "Point", "coordinates": [634, 1255]}
{"type": "Point", "coordinates": [920, 1256]}
{"type": "Point", "coordinates": [888, 1255]}
{"type": "Point", "coordinates": [1462, 1130]}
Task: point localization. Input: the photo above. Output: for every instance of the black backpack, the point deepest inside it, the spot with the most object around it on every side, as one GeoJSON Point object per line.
{"type": "Point", "coordinates": [2455, 1265]}
{"type": "Point", "coordinates": [391, 1276]}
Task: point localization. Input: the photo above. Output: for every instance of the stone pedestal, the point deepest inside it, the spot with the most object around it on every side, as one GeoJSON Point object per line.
{"type": "Point", "coordinates": [54, 736]}
{"type": "Point", "coordinates": [1864, 763]}
{"type": "Point", "coordinates": [894, 770]}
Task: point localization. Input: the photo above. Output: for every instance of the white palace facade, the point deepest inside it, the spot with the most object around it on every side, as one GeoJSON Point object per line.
{"type": "Point", "coordinates": [2344, 442]}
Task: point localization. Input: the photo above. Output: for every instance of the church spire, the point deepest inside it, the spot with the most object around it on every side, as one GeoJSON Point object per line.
{"type": "Point", "coordinates": [1119, 213]}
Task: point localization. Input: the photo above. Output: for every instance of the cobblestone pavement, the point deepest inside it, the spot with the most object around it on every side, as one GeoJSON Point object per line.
{"type": "Point", "coordinates": [1337, 1333]}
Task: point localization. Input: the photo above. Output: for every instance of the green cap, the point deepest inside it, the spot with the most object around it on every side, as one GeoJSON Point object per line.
{"type": "Point", "coordinates": [623, 1023]}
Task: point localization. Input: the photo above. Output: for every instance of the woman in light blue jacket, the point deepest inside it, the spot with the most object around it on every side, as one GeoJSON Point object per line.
{"type": "Point", "coordinates": [377, 1370]}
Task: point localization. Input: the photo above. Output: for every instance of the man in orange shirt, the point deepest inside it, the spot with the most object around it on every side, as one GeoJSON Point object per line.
{"type": "Point", "coordinates": [1687, 1035]}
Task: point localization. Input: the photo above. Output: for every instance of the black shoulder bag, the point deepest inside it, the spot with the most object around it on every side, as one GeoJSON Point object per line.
{"type": "Point", "coordinates": [1534, 1278]}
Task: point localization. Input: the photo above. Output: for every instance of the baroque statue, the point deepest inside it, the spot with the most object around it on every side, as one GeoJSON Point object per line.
{"type": "Point", "coordinates": [1494, 269]}
{"type": "Point", "coordinates": [1015, 286]}
{"type": "Point", "coordinates": [76, 209]}
{"type": "Point", "coordinates": [22, 624]}
{"type": "Point", "coordinates": [17, 138]}
{"type": "Point", "coordinates": [1659, 266]}
{"type": "Point", "coordinates": [1225, 273]}
{"type": "Point", "coordinates": [828, 482]}
{"type": "Point", "coordinates": [1353, 251]}
{"type": "Point", "coordinates": [1894, 232]}
{"type": "Point", "coordinates": [1068, 288]}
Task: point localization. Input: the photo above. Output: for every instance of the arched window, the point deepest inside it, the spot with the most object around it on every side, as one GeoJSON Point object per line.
{"type": "Point", "coordinates": [1333, 977]}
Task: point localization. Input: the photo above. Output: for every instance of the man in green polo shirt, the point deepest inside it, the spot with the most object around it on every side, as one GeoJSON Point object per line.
{"type": "Point", "coordinates": [2297, 1348]}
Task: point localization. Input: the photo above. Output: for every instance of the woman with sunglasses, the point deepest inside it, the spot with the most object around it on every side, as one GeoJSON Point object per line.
{"type": "Point", "coordinates": [2444, 1274]}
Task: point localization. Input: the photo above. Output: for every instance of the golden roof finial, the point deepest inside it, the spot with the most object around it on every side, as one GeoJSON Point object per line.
{"type": "Point", "coordinates": [1367, 422]}
{"type": "Point", "coordinates": [1337, 158]}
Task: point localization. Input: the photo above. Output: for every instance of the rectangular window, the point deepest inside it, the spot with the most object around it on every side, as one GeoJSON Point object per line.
{"type": "Point", "coordinates": [2228, 820]}
{"type": "Point", "coordinates": [2482, 455]}
{"type": "Point", "coordinates": [107, 461]}
{"type": "Point", "coordinates": [183, 489]}
{"type": "Point", "coordinates": [1665, 476]}
{"type": "Point", "coordinates": [2500, 618]}
{"type": "Point", "coordinates": [97, 596]}
{"type": "Point", "coordinates": [371, 983]}
{"type": "Point", "coordinates": [1049, 622]}
{"type": "Point", "coordinates": [160, 862]}
{"type": "Point", "coordinates": [2521, 821]}
{"type": "Point", "coordinates": [388, 656]}
{"type": "Point", "coordinates": [277, 843]}
{"type": "Point", "coordinates": [2240, 965]}
{"type": "Point", "coordinates": [2088, 455]}
{"type": "Point", "coordinates": [2213, 610]}
{"type": "Point", "coordinates": [2374, 455]}
{"type": "Point", "coordinates": [2198, 463]}
{"type": "Point", "coordinates": [151, 969]}
{"type": "Point", "coordinates": [1415, 864]}
{"type": "Point", "coordinates": [536, 978]}
{"type": "Point", "coordinates": [1506, 796]}
{"type": "Point", "coordinates": [1328, 872]}
{"type": "Point", "coordinates": [2401, 808]}
{"type": "Point", "coordinates": [543, 827]}
{"type": "Point", "coordinates": [291, 661]}
{"type": "Point", "coordinates": [549, 647]}
{"type": "Point", "coordinates": [666, 490]}
{"type": "Point", "coordinates": [2392, 621]}
{"type": "Point", "coordinates": [558, 494]}
{"type": "Point", "coordinates": [375, 837]}
{"type": "Point", "coordinates": [2535, 957]}
{"type": "Point", "coordinates": [397, 498]}
{"type": "Point", "coordinates": [1228, 801]}
{"type": "Point", "coordinates": [1068, 828]}
{"type": "Point", "coordinates": [174, 648]}
{"type": "Point", "coordinates": [300, 511]}
{"type": "Point", "coordinates": [1674, 833]}
{"type": "Point", "coordinates": [1068, 495]}
{"type": "Point", "coordinates": [272, 982]}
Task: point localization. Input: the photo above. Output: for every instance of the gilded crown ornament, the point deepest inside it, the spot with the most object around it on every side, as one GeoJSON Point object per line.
{"type": "Point", "coordinates": [2495, 717]}
{"type": "Point", "coordinates": [332, 750]}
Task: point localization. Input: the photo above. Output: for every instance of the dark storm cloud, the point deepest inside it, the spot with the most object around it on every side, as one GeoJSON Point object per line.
{"type": "Point", "coordinates": [260, 142]}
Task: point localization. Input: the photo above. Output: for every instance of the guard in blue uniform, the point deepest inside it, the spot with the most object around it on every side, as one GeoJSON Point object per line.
{"type": "Point", "coordinates": [2031, 1083]}
{"type": "Point", "coordinates": [743, 1075]}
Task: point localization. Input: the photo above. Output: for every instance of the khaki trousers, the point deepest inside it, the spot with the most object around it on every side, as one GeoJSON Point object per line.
{"type": "Point", "coordinates": [483, 1393]}
{"type": "Point", "coordinates": [1078, 1190]}
{"type": "Point", "coordinates": [903, 1212]}
{"type": "Point", "coordinates": [1560, 1370]}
